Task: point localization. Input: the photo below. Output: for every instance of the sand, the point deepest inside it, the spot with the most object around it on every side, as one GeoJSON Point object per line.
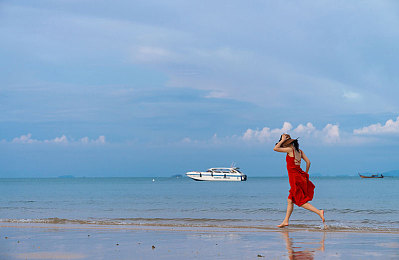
{"type": "Point", "coordinates": [27, 241]}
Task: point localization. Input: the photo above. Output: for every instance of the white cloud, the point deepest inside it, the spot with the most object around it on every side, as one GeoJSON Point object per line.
{"type": "Point", "coordinates": [63, 139]}
{"type": "Point", "coordinates": [84, 140]}
{"type": "Point", "coordinates": [266, 134]}
{"type": "Point", "coordinates": [24, 139]}
{"type": "Point", "coordinates": [27, 139]}
{"type": "Point", "coordinates": [390, 127]}
{"type": "Point", "coordinates": [329, 134]}
{"type": "Point", "coordinates": [100, 140]}
{"type": "Point", "coordinates": [305, 129]}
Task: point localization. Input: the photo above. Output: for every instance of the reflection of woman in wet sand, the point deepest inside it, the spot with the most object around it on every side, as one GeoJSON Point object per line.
{"type": "Point", "coordinates": [302, 188]}
{"type": "Point", "coordinates": [301, 254]}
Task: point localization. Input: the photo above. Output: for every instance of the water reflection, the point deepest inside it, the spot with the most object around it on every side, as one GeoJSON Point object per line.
{"type": "Point", "coordinates": [302, 249]}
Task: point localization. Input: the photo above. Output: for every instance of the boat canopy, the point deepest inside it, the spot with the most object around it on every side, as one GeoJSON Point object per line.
{"type": "Point", "coordinates": [223, 170]}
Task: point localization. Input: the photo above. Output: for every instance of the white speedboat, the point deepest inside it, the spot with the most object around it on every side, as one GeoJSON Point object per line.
{"type": "Point", "coordinates": [218, 174]}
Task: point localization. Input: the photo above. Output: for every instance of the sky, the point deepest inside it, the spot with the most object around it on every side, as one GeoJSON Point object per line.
{"type": "Point", "coordinates": [158, 88]}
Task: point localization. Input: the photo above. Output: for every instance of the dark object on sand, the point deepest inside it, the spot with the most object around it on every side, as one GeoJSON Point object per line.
{"type": "Point", "coordinates": [371, 176]}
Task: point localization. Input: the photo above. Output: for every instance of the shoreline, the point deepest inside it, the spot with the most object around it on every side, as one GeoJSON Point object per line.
{"type": "Point", "coordinates": [112, 242]}
{"type": "Point", "coordinates": [187, 228]}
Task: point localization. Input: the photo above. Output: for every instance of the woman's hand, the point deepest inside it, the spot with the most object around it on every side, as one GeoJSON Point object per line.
{"type": "Point", "coordinates": [284, 137]}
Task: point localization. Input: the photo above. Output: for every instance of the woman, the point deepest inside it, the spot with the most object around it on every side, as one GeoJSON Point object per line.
{"type": "Point", "coordinates": [302, 188]}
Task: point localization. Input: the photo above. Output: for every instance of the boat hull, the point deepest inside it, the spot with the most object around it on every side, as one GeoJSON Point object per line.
{"type": "Point", "coordinates": [206, 176]}
{"type": "Point", "coordinates": [375, 176]}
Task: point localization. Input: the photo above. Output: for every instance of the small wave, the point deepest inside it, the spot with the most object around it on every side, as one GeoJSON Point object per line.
{"type": "Point", "coordinates": [365, 211]}
{"type": "Point", "coordinates": [49, 221]}
{"type": "Point", "coordinates": [127, 221]}
{"type": "Point", "coordinates": [204, 223]}
{"type": "Point", "coordinates": [344, 227]}
{"type": "Point", "coordinates": [229, 210]}
{"type": "Point", "coordinates": [183, 219]}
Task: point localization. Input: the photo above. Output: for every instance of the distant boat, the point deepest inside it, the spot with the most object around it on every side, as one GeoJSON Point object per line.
{"type": "Point", "coordinates": [218, 174]}
{"type": "Point", "coordinates": [371, 176]}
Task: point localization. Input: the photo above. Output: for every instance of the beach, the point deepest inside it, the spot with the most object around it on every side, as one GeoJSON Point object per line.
{"type": "Point", "coordinates": [178, 218]}
{"type": "Point", "coordinates": [26, 241]}
{"type": "Point", "coordinates": [154, 130]}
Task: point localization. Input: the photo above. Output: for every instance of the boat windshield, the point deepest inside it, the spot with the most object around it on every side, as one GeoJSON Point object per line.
{"type": "Point", "coordinates": [221, 170]}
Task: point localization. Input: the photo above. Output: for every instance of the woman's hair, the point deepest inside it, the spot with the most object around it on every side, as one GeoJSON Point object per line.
{"type": "Point", "coordinates": [296, 145]}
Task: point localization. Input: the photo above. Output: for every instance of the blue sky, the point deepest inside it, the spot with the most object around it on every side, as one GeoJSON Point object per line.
{"type": "Point", "coordinates": [156, 88]}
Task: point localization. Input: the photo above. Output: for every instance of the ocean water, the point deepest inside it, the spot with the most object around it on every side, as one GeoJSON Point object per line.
{"type": "Point", "coordinates": [350, 203]}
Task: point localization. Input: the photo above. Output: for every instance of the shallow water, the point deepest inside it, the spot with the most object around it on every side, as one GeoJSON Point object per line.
{"type": "Point", "coordinates": [350, 203]}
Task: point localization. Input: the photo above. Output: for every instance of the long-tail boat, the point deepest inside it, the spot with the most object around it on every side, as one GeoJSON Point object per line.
{"type": "Point", "coordinates": [371, 176]}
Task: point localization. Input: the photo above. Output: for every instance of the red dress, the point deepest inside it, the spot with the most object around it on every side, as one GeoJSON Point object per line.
{"type": "Point", "coordinates": [302, 189]}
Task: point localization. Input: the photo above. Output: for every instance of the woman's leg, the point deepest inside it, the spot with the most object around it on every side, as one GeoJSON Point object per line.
{"type": "Point", "coordinates": [290, 208]}
{"type": "Point", "coordinates": [310, 207]}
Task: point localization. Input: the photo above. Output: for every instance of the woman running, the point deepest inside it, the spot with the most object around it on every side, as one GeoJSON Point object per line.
{"type": "Point", "coordinates": [302, 189]}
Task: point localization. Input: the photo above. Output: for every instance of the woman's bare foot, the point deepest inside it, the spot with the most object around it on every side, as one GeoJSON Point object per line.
{"type": "Point", "coordinates": [284, 224]}
{"type": "Point", "coordinates": [322, 215]}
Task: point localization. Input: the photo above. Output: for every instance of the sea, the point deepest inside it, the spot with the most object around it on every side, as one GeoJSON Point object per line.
{"type": "Point", "coordinates": [350, 203]}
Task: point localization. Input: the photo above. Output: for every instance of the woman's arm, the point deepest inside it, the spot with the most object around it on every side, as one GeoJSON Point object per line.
{"type": "Point", "coordinates": [306, 159]}
{"type": "Point", "coordinates": [280, 149]}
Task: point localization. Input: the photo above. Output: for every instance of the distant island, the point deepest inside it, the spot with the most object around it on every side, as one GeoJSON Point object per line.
{"type": "Point", "coordinates": [391, 173]}
{"type": "Point", "coordinates": [66, 176]}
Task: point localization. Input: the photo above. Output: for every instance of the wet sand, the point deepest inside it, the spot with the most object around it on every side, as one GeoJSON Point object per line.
{"type": "Point", "coordinates": [27, 241]}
